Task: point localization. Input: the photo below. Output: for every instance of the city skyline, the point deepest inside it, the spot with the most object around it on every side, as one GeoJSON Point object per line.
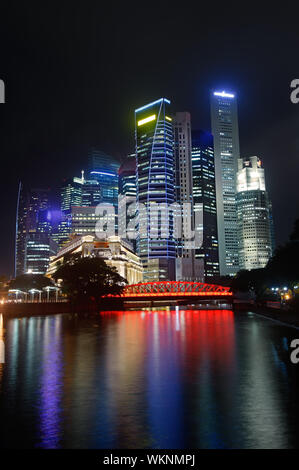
{"type": "Point", "coordinates": [194, 174]}
{"type": "Point", "coordinates": [56, 111]}
{"type": "Point", "coordinates": [149, 280]}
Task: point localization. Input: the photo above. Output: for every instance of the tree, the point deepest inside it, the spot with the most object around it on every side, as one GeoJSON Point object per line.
{"type": "Point", "coordinates": [26, 282]}
{"type": "Point", "coordinates": [88, 279]}
{"type": "Point", "coordinates": [3, 282]}
{"type": "Point", "coordinates": [283, 267]}
{"type": "Point", "coordinates": [255, 279]}
{"type": "Point", "coordinates": [295, 234]}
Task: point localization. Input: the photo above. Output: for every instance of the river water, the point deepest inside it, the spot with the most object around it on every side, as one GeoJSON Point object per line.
{"type": "Point", "coordinates": [182, 378]}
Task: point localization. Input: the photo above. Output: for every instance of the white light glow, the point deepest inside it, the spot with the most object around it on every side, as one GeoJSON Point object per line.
{"type": "Point", "coordinates": [223, 94]}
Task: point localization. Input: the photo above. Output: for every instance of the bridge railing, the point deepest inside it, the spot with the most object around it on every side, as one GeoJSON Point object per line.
{"type": "Point", "coordinates": [175, 288]}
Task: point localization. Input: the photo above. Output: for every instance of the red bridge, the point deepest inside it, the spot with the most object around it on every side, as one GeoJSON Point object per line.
{"type": "Point", "coordinates": [175, 289]}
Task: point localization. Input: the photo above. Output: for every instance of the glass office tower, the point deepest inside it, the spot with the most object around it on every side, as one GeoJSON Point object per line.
{"type": "Point", "coordinates": [224, 117]}
{"type": "Point", "coordinates": [127, 197]}
{"type": "Point", "coordinates": [39, 248]}
{"type": "Point", "coordinates": [155, 185]}
{"type": "Point", "coordinates": [254, 215]}
{"type": "Point", "coordinates": [32, 205]}
{"type": "Point", "coordinates": [71, 195]}
{"type": "Point", "coordinates": [185, 260]}
{"type": "Point", "coordinates": [104, 169]}
{"type": "Point", "coordinates": [204, 194]}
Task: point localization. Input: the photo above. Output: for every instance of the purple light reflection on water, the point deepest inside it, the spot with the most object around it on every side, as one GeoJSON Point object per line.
{"type": "Point", "coordinates": [51, 387]}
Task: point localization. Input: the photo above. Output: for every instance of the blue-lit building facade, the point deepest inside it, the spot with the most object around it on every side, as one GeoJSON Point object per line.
{"type": "Point", "coordinates": [204, 198]}
{"type": "Point", "coordinates": [103, 169]}
{"type": "Point", "coordinates": [71, 195]}
{"type": "Point", "coordinates": [33, 231]}
{"type": "Point", "coordinates": [155, 184]}
{"type": "Point", "coordinates": [127, 199]}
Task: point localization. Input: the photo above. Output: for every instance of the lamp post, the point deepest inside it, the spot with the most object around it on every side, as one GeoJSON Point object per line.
{"type": "Point", "coordinates": [48, 289]}
{"type": "Point", "coordinates": [16, 292]}
{"type": "Point", "coordinates": [48, 293]}
{"type": "Point", "coordinates": [56, 293]}
{"type": "Point", "coordinates": [32, 294]}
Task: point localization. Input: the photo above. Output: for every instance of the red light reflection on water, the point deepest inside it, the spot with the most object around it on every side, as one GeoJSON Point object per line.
{"type": "Point", "coordinates": [202, 332]}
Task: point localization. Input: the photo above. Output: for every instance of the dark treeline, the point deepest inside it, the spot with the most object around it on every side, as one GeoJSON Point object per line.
{"type": "Point", "coordinates": [281, 270]}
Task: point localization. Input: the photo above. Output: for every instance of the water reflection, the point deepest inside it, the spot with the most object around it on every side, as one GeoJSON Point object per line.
{"type": "Point", "coordinates": [51, 385]}
{"type": "Point", "coordinates": [153, 378]}
{"type": "Point", "coordinates": [2, 348]}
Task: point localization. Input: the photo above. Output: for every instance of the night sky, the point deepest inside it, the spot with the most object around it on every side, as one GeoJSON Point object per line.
{"type": "Point", "coordinates": [75, 75]}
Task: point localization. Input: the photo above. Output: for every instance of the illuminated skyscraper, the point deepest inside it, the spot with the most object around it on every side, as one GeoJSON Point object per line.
{"type": "Point", "coordinates": [254, 215]}
{"type": "Point", "coordinates": [204, 197]}
{"type": "Point", "coordinates": [224, 117]}
{"type": "Point", "coordinates": [185, 267]}
{"type": "Point", "coordinates": [127, 177]}
{"type": "Point", "coordinates": [71, 195]}
{"type": "Point", "coordinates": [39, 248]}
{"type": "Point", "coordinates": [104, 169]}
{"type": "Point", "coordinates": [155, 186]}
{"type": "Point", "coordinates": [127, 197]}
{"type": "Point", "coordinates": [31, 218]}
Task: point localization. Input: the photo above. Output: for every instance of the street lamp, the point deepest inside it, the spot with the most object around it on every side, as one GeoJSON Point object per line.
{"type": "Point", "coordinates": [16, 292]}
{"type": "Point", "coordinates": [32, 292]}
{"type": "Point", "coordinates": [48, 289]}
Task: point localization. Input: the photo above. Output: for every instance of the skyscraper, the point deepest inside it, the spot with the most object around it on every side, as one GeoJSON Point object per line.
{"type": "Point", "coordinates": [185, 268]}
{"type": "Point", "coordinates": [204, 197]}
{"type": "Point", "coordinates": [71, 195]}
{"type": "Point", "coordinates": [104, 169]}
{"type": "Point", "coordinates": [39, 248]}
{"type": "Point", "coordinates": [32, 205]}
{"type": "Point", "coordinates": [155, 186]}
{"type": "Point", "coordinates": [224, 118]}
{"type": "Point", "coordinates": [254, 215]}
{"type": "Point", "coordinates": [127, 177]}
{"type": "Point", "coordinates": [127, 197]}
{"type": "Point", "coordinates": [91, 193]}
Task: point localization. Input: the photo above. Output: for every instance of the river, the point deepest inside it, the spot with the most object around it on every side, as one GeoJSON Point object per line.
{"type": "Point", "coordinates": [158, 378]}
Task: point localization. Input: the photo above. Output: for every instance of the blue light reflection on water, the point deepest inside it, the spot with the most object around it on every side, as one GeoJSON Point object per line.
{"type": "Point", "coordinates": [160, 378]}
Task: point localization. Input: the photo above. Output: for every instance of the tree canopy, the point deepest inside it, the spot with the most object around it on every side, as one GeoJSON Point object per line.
{"type": "Point", "coordinates": [25, 282]}
{"type": "Point", "coordinates": [88, 278]}
{"type": "Point", "coordinates": [3, 282]}
{"type": "Point", "coordinates": [282, 269]}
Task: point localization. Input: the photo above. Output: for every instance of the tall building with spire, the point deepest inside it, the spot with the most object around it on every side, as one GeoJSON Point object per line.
{"type": "Point", "coordinates": [155, 186]}
{"type": "Point", "coordinates": [225, 130]}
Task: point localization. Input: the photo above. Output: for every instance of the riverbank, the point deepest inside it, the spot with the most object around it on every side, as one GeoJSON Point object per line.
{"type": "Point", "coordinates": [289, 318]}
{"type": "Point", "coordinates": [15, 310]}
{"type": "Point", "coordinates": [36, 309]}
